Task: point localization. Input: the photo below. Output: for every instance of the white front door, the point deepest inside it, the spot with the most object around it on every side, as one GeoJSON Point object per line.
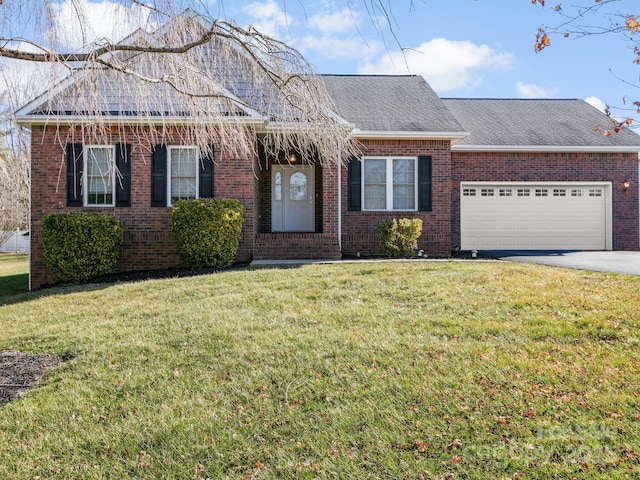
{"type": "Point", "coordinates": [293, 205]}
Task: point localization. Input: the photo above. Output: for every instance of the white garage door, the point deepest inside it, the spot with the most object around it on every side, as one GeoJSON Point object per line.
{"type": "Point", "coordinates": [526, 216]}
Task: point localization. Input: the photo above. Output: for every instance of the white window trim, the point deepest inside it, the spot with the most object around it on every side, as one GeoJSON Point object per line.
{"type": "Point", "coordinates": [85, 176]}
{"type": "Point", "coordinates": [389, 184]}
{"type": "Point", "coordinates": [169, 176]}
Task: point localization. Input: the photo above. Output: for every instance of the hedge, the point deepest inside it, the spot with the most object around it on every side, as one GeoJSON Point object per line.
{"type": "Point", "coordinates": [398, 238]}
{"type": "Point", "coordinates": [79, 246]}
{"type": "Point", "coordinates": [207, 231]}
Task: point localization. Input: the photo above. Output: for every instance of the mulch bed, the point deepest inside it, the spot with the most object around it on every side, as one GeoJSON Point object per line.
{"type": "Point", "coordinates": [20, 372]}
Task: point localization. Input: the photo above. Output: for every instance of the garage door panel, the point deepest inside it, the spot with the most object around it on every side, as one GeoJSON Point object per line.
{"type": "Point", "coordinates": [539, 217]}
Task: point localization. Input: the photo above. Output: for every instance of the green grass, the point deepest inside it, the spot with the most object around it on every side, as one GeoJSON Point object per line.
{"type": "Point", "coordinates": [14, 277]}
{"type": "Point", "coordinates": [370, 370]}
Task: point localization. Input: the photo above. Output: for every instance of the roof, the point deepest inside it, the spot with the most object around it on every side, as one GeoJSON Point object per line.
{"type": "Point", "coordinates": [519, 124]}
{"type": "Point", "coordinates": [390, 103]}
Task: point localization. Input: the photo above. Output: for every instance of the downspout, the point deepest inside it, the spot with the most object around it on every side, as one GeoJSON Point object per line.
{"type": "Point", "coordinates": [340, 199]}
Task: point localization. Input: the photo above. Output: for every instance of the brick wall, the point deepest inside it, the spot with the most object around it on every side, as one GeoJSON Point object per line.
{"type": "Point", "coordinates": [555, 167]}
{"type": "Point", "coordinates": [148, 242]}
{"type": "Point", "coordinates": [359, 228]}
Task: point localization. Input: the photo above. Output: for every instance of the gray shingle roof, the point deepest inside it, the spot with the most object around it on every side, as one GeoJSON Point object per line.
{"type": "Point", "coordinates": [535, 123]}
{"type": "Point", "coordinates": [390, 103]}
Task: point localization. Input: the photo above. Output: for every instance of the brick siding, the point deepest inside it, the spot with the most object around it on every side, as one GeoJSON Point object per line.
{"type": "Point", "coordinates": [555, 167]}
{"type": "Point", "coordinates": [148, 242]}
{"type": "Point", "coordinates": [359, 228]}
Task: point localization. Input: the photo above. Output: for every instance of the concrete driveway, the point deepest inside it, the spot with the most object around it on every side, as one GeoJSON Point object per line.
{"type": "Point", "coordinates": [615, 262]}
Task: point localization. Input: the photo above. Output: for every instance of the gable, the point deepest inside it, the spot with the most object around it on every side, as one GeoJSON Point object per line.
{"type": "Point", "coordinates": [393, 103]}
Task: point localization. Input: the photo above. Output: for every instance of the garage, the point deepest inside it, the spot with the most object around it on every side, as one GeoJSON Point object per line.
{"type": "Point", "coordinates": [535, 216]}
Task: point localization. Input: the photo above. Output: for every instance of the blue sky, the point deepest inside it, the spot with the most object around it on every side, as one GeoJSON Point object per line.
{"type": "Point", "coordinates": [464, 48]}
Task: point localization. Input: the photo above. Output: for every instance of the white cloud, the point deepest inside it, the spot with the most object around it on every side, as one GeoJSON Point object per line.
{"type": "Point", "coordinates": [78, 22]}
{"type": "Point", "coordinates": [596, 102]}
{"type": "Point", "coordinates": [335, 47]}
{"type": "Point", "coordinates": [268, 18]}
{"type": "Point", "coordinates": [531, 90]}
{"type": "Point", "coordinates": [446, 64]}
{"type": "Point", "coordinates": [344, 21]}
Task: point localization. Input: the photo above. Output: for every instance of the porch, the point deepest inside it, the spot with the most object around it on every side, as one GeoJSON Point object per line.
{"type": "Point", "coordinates": [297, 212]}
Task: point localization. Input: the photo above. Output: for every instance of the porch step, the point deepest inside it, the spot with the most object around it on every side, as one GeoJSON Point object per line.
{"type": "Point", "coordinates": [296, 246]}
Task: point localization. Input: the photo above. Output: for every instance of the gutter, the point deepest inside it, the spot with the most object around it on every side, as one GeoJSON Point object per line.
{"type": "Point", "coordinates": [545, 149]}
{"type": "Point", "coordinates": [409, 135]}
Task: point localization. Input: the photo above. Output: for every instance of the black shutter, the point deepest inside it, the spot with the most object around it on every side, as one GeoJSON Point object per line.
{"type": "Point", "coordinates": [424, 184]}
{"type": "Point", "coordinates": [206, 175]}
{"type": "Point", "coordinates": [159, 176]}
{"type": "Point", "coordinates": [354, 188]}
{"type": "Point", "coordinates": [74, 174]}
{"type": "Point", "coordinates": [123, 177]}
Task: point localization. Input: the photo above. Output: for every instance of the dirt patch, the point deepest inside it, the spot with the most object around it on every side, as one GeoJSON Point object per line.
{"type": "Point", "coordinates": [20, 372]}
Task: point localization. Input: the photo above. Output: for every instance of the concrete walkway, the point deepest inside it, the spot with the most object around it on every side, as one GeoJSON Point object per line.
{"type": "Point", "coordinates": [614, 262]}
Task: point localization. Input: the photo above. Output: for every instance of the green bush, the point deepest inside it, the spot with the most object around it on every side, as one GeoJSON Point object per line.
{"type": "Point", "coordinates": [80, 246]}
{"type": "Point", "coordinates": [207, 231]}
{"type": "Point", "coordinates": [398, 238]}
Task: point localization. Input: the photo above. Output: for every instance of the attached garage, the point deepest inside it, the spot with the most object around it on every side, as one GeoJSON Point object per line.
{"type": "Point", "coordinates": [535, 216]}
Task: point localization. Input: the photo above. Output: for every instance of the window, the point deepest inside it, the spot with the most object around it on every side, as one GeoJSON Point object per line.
{"type": "Point", "coordinates": [100, 176]}
{"type": "Point", "coordinates": [595, 192]}
{"type": "Point", "coordinates": [542, 192]}
{"type": "Point", "coordinates": [506, 192]}
{"type": "Point", "coordinates": [486, 192]}
{"type": "Point", "coordinates": [524, 192]}
{"type": "Point", "coordinates": [468, 192]}
{"type": "Point", "coordinates": [576, 192]}
{"type": "Point", "coordinates": [389, 184]}
{"type": "Point", "coordinates": [183, 173]}
{"type": "Point", "coordinates": [559, 192]}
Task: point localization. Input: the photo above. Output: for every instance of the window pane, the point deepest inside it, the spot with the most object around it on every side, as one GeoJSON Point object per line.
{"type": "Point", "coordinates": [375, 171]}
{"type": "Point", "coordinates": [100, 172]}
{"type": "Point", "coordinates": [278, 186]}
{"type": "Point", "coordinates": [184, 168]}
{"type": "Point", "coordinates": [182, 189]}
{"type": "Point", "coordinates": [298, 187]}
{"type": "Point", "coordinates": [375, 197]}
{"type": "Point", "coordinates": [404, 197]}
{"type": "Point", "coordinates": [375, 184]}
{"type": "Point", "coordinates": [404, 171]}
{"type": "Point", "coordinates": [404, 187]}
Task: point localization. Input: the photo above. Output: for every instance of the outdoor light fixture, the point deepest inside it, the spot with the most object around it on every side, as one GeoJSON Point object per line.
{"type": "Point", "coordinates": [293, 159]}
{"type": "Point", "coordinates": [626, 185]}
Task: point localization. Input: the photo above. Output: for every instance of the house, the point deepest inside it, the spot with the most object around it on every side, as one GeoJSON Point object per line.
{"type": "Point", "coordinates": [480, 173]}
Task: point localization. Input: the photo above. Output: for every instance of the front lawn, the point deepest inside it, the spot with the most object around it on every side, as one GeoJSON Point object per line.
{"type": "Point", "coordinates": [370, 370]}
{"type": "Point", "coordinates": [14, 276]}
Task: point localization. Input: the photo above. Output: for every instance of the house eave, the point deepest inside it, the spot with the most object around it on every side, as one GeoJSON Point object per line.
{"type": "Point", "coordinates": [40, 120]}
{"type": "Point", "coordinates": [546, 148]}
{"type": "Point", "coordinates": [409, 135]}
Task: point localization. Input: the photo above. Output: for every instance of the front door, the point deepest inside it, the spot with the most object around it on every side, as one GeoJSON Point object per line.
{"type": "Point", "coordinates": [293, 198]}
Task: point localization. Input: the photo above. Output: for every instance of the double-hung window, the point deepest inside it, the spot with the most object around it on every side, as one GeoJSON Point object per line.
{"type": "Point", "coordinates": [100, 178]}
{"type": "Point", "coordinates": [390, 183]}
{"type": "Point", "coordinates": [183, 173]}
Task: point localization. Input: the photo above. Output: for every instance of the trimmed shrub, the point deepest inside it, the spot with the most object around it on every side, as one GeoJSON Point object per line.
{"type": "Point", "coordinates": [79, 246]}
{"type": "Point", "coordinates": [207, 231]}
{"type": "Point", "coordinates": [398, 238]}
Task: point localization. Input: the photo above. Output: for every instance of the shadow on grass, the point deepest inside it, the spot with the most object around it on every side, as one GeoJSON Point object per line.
{"type": "Point", "coordinates": [15, 288]}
